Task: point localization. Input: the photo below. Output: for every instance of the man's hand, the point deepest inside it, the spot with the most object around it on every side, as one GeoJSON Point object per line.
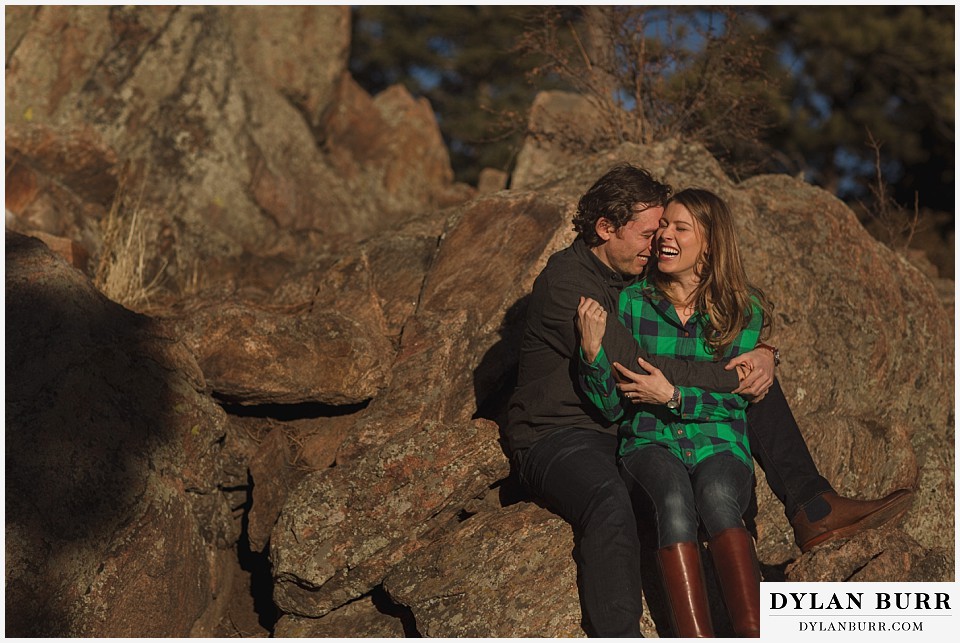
{"type": "Point", "coordinates": [592, 324]}
{"type": "Point", "coordinates": [758, 379]}
{"type": "Point", "coordinates": [652, 388]}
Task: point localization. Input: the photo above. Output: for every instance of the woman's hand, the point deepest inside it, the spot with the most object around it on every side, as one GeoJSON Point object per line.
{"type": "Point", "coordinates": [592, 324]}
{"type": "Point", "coordinates": [756, 371]}
{"type": "Point", "coordinates": [652, 388]}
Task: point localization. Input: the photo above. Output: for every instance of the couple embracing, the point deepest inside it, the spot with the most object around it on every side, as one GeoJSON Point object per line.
{"type": "Point", "coordinates": [642, 378]}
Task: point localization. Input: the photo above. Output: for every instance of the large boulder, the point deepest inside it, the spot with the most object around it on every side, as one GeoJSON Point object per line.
{"type": "Point", "coordinates": [465, 584]}
{"type": "Point", "coordinates": [115, 523]}
{"type": "Point", "coordinates": [561, 128]}
{"type": "Point", "coordinates": [60, 182]}
{"type": "Point", "coordinates": [319, 329]}
{"type": "Point", "coordinates": [301, 51]}
{"type": "Point", "coordinates": [343, 529]}
{"type": "Point", "coordinates": [390, 145]}
{"type": "Point", "coordinates": [459, 358]}
{"type": "Point", "coordinates": [874, 556]}
{"type": "Point", "coordinates": [252, 355]}
{"type": "Point", "coordinates": [424, 416]}
{"type": "Point", "coordinates": [212, 123]}
{"type": "Point", "coordinates": [458, 350]}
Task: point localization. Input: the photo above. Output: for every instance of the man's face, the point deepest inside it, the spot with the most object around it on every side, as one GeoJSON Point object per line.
{"type": "Point", "coordinates": [627, 249]}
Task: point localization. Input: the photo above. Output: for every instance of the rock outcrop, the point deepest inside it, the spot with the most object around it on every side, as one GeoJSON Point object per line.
{"type": "Point", "coordinates": [236, 142]}
{"type": "Point", "coordinates": [849, 432]}
{"type": "Point", "coordinates": [115, 522]}
{"type": "Point", "coordinates": [359, 319]}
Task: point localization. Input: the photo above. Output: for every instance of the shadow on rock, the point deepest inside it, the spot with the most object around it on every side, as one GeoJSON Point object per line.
{"type": "Point", "coordinates": [114, 523]}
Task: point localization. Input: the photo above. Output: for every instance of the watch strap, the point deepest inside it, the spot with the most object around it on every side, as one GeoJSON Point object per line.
{"type": "Point", "coordinates": [772, 349]}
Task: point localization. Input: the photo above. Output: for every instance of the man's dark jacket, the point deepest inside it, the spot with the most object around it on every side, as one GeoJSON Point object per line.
{"type": "Point", "coordinates": [548, 396]}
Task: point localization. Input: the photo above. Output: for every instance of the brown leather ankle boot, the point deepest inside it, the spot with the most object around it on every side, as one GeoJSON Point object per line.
{"type": "Point", "coordinates": [845, 517]}
{"type": "Point", "coordinates": [686, 590]}
{"type": "Point", "coordinates": [735, 559]}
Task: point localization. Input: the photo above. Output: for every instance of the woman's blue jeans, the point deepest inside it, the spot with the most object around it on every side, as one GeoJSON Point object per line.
{"type": "Point", "coordinates": [716, 491]}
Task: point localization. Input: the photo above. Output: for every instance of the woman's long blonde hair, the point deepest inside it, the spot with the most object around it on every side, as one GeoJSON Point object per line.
{"type": "Point", "coordinates": [723, 293]}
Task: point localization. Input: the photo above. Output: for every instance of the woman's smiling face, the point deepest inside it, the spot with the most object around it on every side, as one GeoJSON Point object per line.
{"type": "Point", "coordinates": [680, 242]}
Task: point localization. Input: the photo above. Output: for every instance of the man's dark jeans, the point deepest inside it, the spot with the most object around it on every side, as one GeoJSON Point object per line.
{"type": "Point", "coordinates": [778, 445]}
{"type": "Point", "coordinates": [574, 472]}
{"type": "Point", "coordinates": [715, 491]}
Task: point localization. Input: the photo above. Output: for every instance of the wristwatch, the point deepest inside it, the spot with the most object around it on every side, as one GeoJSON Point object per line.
{"type": "Point", "coordinates": [674, 402]}
{"type": "Point", "coordinates": [772, 349]}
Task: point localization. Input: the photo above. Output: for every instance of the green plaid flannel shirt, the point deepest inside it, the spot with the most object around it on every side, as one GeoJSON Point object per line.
{"type": "Point", "coordinates": [706, 423]}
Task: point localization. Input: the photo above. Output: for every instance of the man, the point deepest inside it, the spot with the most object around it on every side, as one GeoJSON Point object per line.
{"type": "Point", "coordinates": [565, 452]}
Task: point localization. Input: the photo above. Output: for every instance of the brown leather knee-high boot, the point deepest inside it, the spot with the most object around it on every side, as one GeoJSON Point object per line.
{"type": "Point", "coordinates": [686, 590]}
{"type": "Point", "coordinates": [735, 559]}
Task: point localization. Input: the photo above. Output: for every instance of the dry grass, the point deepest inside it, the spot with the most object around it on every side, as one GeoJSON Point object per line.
{"type": "Point", "coordinates": [887, 220]}
{"type": "Point", "coordinates": [124, 272]}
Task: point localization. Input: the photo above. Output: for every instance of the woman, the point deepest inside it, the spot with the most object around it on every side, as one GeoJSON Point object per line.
{"type": "Point", "coordinates": [688, 451]}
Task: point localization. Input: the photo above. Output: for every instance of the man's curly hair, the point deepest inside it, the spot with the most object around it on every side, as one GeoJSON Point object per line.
{"type": "Point", "coordinates": [614, 196]}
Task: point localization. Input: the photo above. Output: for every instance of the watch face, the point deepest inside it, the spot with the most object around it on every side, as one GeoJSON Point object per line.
{"type": "Point", "coordinates": [674, 402]}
